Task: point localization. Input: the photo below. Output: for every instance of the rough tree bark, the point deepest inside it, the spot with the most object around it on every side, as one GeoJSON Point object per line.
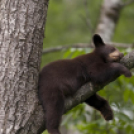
{"type": "Point", "coordinates": [21, 38]}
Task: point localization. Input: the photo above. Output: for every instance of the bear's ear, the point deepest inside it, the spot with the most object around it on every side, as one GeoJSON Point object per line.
{"type": "Point", "coordinates": [97, 40]}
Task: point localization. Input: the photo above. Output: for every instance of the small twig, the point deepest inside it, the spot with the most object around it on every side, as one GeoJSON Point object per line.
{"type": "Point", "coordinates": [121, 45]}
{"type": "Point", "coordinates": [60, 48]}
{"type": "Point", "coordinates": [88, 21]}
{"type": "Point", "coordinates": [83, 45]}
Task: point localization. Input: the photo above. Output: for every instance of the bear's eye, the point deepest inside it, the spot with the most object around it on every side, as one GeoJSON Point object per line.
{"type": "Point", "coordinates": [112, 49]}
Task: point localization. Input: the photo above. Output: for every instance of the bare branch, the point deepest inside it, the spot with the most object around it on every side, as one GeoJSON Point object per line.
{"type": "Point", "coordinates": [84, 45]}
{"type": "Point", "coordinates": [88, 21]}
{"type": "Point", "coordinates": [60, 48]}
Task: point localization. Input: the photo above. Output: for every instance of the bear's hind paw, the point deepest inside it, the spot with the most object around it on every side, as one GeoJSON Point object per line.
{"type": "Point", "coordinates": [108, 116]}
{"type": "Point", "coordinates": [107, 112]}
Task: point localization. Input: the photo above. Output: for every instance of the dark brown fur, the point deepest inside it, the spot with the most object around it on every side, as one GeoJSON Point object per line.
{"type": "Point", "coordinates": [64, 77]}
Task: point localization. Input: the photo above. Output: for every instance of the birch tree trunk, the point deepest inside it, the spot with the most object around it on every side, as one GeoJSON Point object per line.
{"type": "Point", "coordinates": [110, 13]}
{"type": "Point", "coordinates": [21, 38]}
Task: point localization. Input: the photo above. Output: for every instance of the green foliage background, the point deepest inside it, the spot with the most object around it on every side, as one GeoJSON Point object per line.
{"type": "Point", "coordinates": [66, 24]}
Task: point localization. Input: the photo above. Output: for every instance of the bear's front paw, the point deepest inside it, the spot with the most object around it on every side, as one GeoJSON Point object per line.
{"type": "Point", "coordinates": [127, 74]}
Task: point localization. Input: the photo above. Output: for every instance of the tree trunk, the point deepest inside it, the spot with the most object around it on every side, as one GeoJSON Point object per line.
{"type": "Point", "coordinates": [110, 13]}
{"type": "Point", "coordinates": [21, 39]}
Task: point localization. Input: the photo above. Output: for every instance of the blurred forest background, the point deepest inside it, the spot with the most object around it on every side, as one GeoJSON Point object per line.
{"type": "Point", "coordinates": [67, 25]}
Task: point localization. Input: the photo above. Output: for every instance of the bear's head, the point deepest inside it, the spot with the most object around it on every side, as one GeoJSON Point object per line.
{"type": "Point", "coordinates": [107, 52]}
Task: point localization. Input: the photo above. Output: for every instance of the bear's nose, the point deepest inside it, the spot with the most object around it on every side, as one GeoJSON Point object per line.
{"type": "Point", "coordinates": [121, 55]}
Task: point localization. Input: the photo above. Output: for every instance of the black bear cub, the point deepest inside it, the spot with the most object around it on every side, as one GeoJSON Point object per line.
{"type": "Point", "coordinates": [63, 78]}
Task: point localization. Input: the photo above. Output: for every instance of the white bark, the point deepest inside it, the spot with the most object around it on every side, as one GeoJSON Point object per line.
{"type": "Point", "coordinates": [109, 16]}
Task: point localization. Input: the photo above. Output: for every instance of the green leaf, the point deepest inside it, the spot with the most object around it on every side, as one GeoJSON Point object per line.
{"type": "Point", "coordinates": [126, 95]}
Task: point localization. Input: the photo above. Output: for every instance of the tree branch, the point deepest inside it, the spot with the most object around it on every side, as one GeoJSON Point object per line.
{"type": "Point", "coordinates": [83, 45]}
{"type": "Point", "coordinates": [60, 48]}
{"type": "Point", "coordinates": [88, 21]}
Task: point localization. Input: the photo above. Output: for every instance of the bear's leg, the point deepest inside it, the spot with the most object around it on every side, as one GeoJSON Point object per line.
{"type": "Point", "coordinates": [54, 111]}
{"type": "Point", "coordinates": [101, 105]}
